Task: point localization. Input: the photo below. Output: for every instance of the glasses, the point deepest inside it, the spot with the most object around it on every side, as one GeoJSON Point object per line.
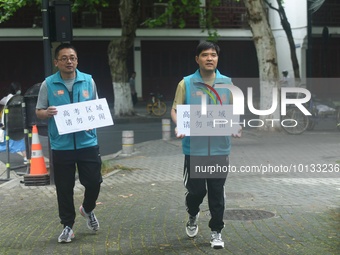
{"type": "Point", "coordinates": [65, 59]}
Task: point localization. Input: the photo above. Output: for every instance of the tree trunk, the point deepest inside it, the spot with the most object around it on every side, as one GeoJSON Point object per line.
{"type": "Point", "coordinates": [117, 57]}
{"type": "Point", "coordinates": [267, 60]}
{"type": "Point", "coordinates": [287, 28]}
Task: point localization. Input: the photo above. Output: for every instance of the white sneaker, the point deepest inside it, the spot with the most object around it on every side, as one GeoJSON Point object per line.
{"type": "Point", "coordinates": [192, 228]}
{"type": "Point", "coordinates": [66, 236]}
{"type": "Point", "coordinates": [91, 219]}
{"type": "Point", "coordinates": [216, 240]}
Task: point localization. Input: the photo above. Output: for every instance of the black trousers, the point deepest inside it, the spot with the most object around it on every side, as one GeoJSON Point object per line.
{"type": "Point", "coordinates": [134, 99]}
{"type": "Point", "coordinates": [88, 163]}
{"type": "Point", "coordinates": [197, 188]}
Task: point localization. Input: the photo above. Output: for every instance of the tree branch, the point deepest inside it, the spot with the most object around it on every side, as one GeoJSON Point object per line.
{"type": "Point", "coordinates": [271, 6]}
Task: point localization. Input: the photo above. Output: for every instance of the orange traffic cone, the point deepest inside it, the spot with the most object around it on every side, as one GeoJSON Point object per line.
{"type": "Point", "coordinates": [37, 159]}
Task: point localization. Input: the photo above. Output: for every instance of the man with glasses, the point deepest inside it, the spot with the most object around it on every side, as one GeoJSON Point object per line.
{"type": "Point", "coordinates": [73, 151]}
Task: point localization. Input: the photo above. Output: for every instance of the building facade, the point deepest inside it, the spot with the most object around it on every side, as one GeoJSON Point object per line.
{"type": "Point", "coordinates": [161, 56]}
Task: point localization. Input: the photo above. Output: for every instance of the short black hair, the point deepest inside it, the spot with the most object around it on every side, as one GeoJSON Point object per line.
{"type": "Point", "coordinates": [207, 45]}
{"type": "Point", "coordinates": [63, 46]}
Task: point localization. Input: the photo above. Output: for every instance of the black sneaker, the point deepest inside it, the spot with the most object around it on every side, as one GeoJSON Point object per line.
{"type": "Point", "coordinates": [92, 222]}
{"type": "Point", "coordinates": [192, 228]}
{"type": "Point", "coordinates": [66, 236]}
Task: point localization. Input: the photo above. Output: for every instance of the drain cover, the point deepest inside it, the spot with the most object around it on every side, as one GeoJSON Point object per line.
{"type": "Point", "coordinates": [239, 214]}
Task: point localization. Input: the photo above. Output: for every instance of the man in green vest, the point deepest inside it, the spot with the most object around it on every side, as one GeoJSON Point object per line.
{"type": "Point", "coordinates": [204, 151]}
{"type": "Point", "coordinates": [72, 151]}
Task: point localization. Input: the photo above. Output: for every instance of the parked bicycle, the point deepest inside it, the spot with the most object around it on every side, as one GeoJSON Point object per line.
{"type": "Point", "coordinates": [156, 105]}
{"type": "Point", "coordinates": [295, 122]}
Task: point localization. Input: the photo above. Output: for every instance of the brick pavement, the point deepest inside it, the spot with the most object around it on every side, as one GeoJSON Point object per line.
{"type": "Point", "coordinates": [141, 211]}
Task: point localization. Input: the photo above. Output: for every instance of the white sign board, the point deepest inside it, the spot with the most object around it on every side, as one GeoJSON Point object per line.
{"type": "Point", "coordinates": [83, 116]}
{"type": "Point", "coordinates": [219, 120]}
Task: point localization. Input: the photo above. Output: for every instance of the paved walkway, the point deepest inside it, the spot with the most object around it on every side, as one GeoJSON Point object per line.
{"type": "Point", "coordinates": [141, 207]}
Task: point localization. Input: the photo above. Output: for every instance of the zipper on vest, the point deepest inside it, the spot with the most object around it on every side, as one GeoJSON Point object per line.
{"type": "Point", "coordinates": [209, 102]}
{"type": "Point", "coordinates": [74, 134]}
